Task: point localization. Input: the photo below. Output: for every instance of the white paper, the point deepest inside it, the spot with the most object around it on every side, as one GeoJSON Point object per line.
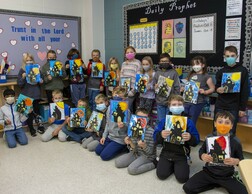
{"type": "Point", "coordinates": [234, 7]}
{"type": "Point", "coordinates": [237, 44]}
{"type": "Point", "coordinates": [233, 29]}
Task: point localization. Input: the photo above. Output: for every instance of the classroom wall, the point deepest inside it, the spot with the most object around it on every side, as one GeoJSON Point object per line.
{"type": "Point", "coordinates": [114, 44]}
{"type": "Point", "coordinates": [92, 35]}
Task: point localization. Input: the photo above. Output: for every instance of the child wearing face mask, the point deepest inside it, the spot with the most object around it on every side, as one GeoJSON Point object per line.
{"type": "Point", "coordinates": [166, 70]}
{"type": "Point", "coordinates": [11, 120]}
{"type": "Point", "coordinates": [113, 65]}
{"type": "Point", "coordinates": [215, 175]}
{"type": "Point", "coordinates": [78, 133]}
{"type": "Point", "coordinates": [93, 141]}
{"type": "Point", "coordinates": [51, 83]}
{"type": "Point", "coordinates": [112, 141]}
{"type": "Point", "coordinates": [77, 83]}
{"type": "Point", "coordinates": [129, 69]}
{"type": "Point", "coordinates": [147, 99]}
{"type": "Point", "coordinates": [175, 158]}
{"type": "Point", "coordinates": [199, 74]}
{"type": "Point", "coordinates": [32, 91]}
{"type": "Point", "coordinates": [235, 103]}
{"type": "Point", "coordinates": [56, 126]}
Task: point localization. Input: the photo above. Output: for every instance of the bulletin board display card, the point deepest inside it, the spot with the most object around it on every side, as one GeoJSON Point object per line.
{"type": "Point", "coordinates": [187, 28]}
{"type": "Point", "coordinates": [36, 33]}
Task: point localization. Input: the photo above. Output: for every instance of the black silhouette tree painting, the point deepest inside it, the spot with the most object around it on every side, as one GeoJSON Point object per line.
{"type": "Point", "coordinates": [56, 113]}
{"type": "Point", "coordinates": [228, 85]}
{"type": "Point", "coordinates": [176, 135]}
{"type": "Point", "coordinates": [118, 114]}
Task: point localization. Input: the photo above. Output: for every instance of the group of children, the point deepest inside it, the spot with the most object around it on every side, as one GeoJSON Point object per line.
{"type": "Point", "coordinates": [139, 156]}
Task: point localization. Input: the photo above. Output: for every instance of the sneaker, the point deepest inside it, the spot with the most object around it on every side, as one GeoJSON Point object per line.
{"type": "Point", "coordinates": [33, 133]}
{"type": "Point", "coordinates": [41, 128]}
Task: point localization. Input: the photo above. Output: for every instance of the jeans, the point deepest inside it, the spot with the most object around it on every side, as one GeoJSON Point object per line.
{"type": "Point", "coordinates": [12, 135]}
{"type": "Point", "coordinates": [161, 112]}
{"type": "Point", "coordinates": [92, 93]}
{"type": "Point", "coordinates": [193, 110]}
{"type": "Point", "coordinates": [109, 149]}
{"type": "Point", "coordinates": [77, 134]}
{"type": "Point", "coordinates": [77, 92]}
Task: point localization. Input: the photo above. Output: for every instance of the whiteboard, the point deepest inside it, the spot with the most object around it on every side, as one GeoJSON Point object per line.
{"type": "Point", "coordinates": [36, 33]}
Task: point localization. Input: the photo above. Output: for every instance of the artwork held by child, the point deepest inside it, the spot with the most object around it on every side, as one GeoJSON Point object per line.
{"type": "Point", "coordinates": [164, 86]}
{"type": "Point", "coordinates": [75, 68]}
{"type": "Point", "coordinates": [56, 68]}
{"type": "Point", "coordinates": [219, 148]}
{"type": "Point", "coordinates": [177, 125]}
{"type": "Point", "coordinates": [95, 121]}
{"type": "Point", "coordinates": [24, 104]}
{"type": "Point", "coordinates": [77, 117]}
{"type": "Point", "coordinates": [141, 83]}
{"type": "Point", "coordinates": [231, 82]}
{"type": "Point", "coordinates": [110, 78]}
{"type": "Point", "coordinates": [119, 111]}
{"type": "Point", "coordinates": [191, 91]}
{"type": "Point", "coordinates": [32, 74]}
{"type": "Point", "coordinates": [137, 127]}
{"type": "Point", "coordinates": [57, 110]}
{"type": "Point", "coordinates": [125, 82]}
{"type": "Point", "coordinates": [97, 70]}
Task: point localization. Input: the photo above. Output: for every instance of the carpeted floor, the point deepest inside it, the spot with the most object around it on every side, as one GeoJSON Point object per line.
{"type": "Point", "coordinates": [56, 167]}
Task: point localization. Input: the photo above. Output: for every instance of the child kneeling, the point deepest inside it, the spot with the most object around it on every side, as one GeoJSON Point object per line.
{"type": "Point", "coordinates": [142, 153]}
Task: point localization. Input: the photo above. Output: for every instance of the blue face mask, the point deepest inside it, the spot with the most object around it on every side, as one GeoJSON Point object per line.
{"type": "Point", "coordinates": [176, 110]}
{"type": "Point", "coordinates": [230, 60]}
{"type": "Point", "coordinates": [101, 107]}
{"type": "Point", "coordinates": [75, 56]}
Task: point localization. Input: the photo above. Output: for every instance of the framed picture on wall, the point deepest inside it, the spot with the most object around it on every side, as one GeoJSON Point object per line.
{"type": "Point", "coordinates": [203, 33]}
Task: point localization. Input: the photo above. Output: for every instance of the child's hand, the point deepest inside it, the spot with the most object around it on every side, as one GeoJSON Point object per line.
{"type": "Point", "coordinates": [120, 124]}
{"type": "Point", "coordinates": [49, 77]}
{"type": "Point", "coordinates": [220, 90]}
{"type": "Point", "coordinates": [206, 158]}
{"type": "Point", "coordinates": [201, 91]}
{"type": "Point", "coordinates": [8, 122]}
{"type": "Point", "coordinates": [242, 113]}
{"type": "Point", "coordinates": [56, 131]}
{"type": "Point", "coordinates": [23, 75]}
{"type": "Point", "coordinates": [231, 161]}
{"type": "Point", "coordinates": [67, 66]}
{"type": "Point", "coordinates": [89, 130]}
{"type": "Point", "coordinates": [30, 110]}
{"type": "Point", "coordinates": [51, 120]}
{"type": "Point", "coordinates": [182, 89]}
{"type": "Point", "coordinates": [68, 121]}
{"type": "Point", "coordinates": [156, 86]}
{"type": "Point", "coordinates": [127, 140]}
{"type": "Point", "coordinates": [84, 66]}
{"type": "Point", "coordinates": [142, 144]}
{"type": "Point", "coordinates": [102, 141]}
{"type": "Point", "coordinates": [165, 133]}
{"type": "Point", "coordinates": [85, 123]}
{"type": "Point", "coordinates": [186, 136]}
{"type": "Point", "coordinates": [41, 81]}
{"type": "Point", "coordinates": [101, 88]}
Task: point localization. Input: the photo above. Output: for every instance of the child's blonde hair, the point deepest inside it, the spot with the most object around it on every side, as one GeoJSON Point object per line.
{"type": "Point", "coordinates": [55, 92]}
{"type": "Point", "coordinates": [25, 56]}
{"type": "Point", "coordinates": [110, 61]}
{"type": "Point", "coordinates": [101, 97]}
{"type": "Point", "coordinates": [149, 59]}
{"type": "Point", "coordinates": [175, 97]}
{"type": "Point", "coordinates": [120, 90]}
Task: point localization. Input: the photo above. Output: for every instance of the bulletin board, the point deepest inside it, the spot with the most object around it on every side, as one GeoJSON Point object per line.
{"type": "Point", "coordinates": [36, 33]}
{"type": "Point", "coordinates": [187, 28]}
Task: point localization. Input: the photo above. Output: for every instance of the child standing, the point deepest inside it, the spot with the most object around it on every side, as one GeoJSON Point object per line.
{"type": "Point", "coordinates": [235, 103]}
{"type": "Point", "coordinates": [141, 153]}
{"type": "Point", "coordinates": [78, 133]}
{"type": "Point", "coordinates": [52, 83]}
{"type": "Point", "coordinates": [32, 91]}
{"type": "Point", "coordinates": [112, 141]}
{"type": "Point", "coordinates": [92, 142]}
{"type": "Point", "coordinates": [95, 85]}
{"type": "Point", "coordinates": [129, 69]}
{"type": "Point", "coordinates": [56, 126]}
{"type": "Point", "coordinates": [174, 158]}
{"type": "Point", "coordinates": [166, 70]}
{"type": "Point", "coordinates": [147, 99]}
{"type": "Point", "coordinates": [77, 82]}
{"type": "Point", "coordinates": [113, 65]}
{"type": "Point", "coordinates": [199, 74]}
{"type": "Point", "coordinates": [214, 176]}
{"type": "Point", "coordinates": [12, 121]}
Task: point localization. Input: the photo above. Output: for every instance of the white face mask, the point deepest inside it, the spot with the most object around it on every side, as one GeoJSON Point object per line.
{"type": "Point", "coordinates": [146, 67]}
{"type": "Point", "coordinates": [10, 100]}
{"type": "Point", "coordinates": [197, 68]}
{"type": "Point", "coordinates": [57, 100]}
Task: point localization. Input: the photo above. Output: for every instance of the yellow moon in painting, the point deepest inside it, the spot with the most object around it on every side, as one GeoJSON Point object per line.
{"type": "Point", "coordinates": [236, 76]}
{"type": "Point", "coordinates": [60, 104]}
{"type": "Point", "coordinates": [182, 121]}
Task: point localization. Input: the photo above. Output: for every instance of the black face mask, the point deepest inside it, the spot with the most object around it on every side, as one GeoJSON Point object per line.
{"type": "Point", "coordinates": [51, 60]}
{"type": "Point", "coordinates": [165, 66]}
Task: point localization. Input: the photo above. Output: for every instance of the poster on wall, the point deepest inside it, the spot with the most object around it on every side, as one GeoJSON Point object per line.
{"type": "Point", "coordinates": [233, 29]}
{"type": "Point", "coordinates": [167, 46]}
{"type": "Point", "coordinates": [167, 29]}
{"type": "Point", "coordinates": [234, 7]}
{"type": "Point", "coordinates": [143, 37]}
{"type": "Point", "coordinates": [237, 44]}
{"type": "Point", "coordinates": [180, 28]}
{"type": "Point", "coordinates": [179, 48]}
{"type": "Point", "coordinates": [203, 30]}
